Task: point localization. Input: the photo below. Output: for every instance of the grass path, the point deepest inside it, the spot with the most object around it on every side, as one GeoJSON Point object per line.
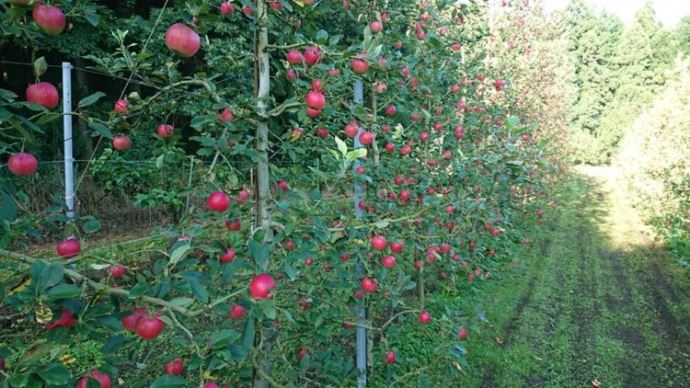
{"type": "Point", "coordinates": [593, 299]}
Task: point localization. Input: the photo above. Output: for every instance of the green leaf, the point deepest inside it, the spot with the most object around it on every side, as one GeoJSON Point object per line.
{"type": "Point", "coordinates": [169, 381]}
{"type": "Point", "coordinates": [91, 16]}
{"type": "Point", "coordinates": [321, 37]}
{"type": "Point", "coordinates": [40, 66]}
{"type": "Point", "coordinates": [356, 154]}
{"type": "Point", "coordinates": [101, 129]}
{"type": "Point", "coordinates": [342, 147]}
{"type": "Point", "coordinates": [224, 338]}
{"type": "Point", "coordinates": [92, 226]}
{"type": "Point", "coordinates": [199, 121]}
{"type": "Point", "coordinates": [259, 252]}
{"type": "Point", "coordinates": [63, 291]}
{"type": "Point", "coordinates": [90, 100]}
{"type": "Point", "coordinates": [182, 301]}
{"type": "Point", "coordinates": [55, 374]}
{"type": "Point", "coordinates": [138, 290]}
{"type": "Point", "coordinates": [50, 276]}
{"type": "Point", "coordinates": [197, 288]}
{"type": "Point", "coordinates": [178, 254]}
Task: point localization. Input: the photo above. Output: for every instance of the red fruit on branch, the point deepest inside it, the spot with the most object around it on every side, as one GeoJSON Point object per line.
{"type": "Point", "coordinates": [68, 248]}
{"type": "Point", "coordinates": [22, 164]}
{"type": "Point", "coordinates": [130, 322]}
{"type": "Point", "coordinates": [95, 375]}
{"type": "Point", "coordinates": [120, 106]}
{"type": "Point", "coordinates": [359, 65]}
{"type": "Point", "coordinates": [149, 328]}
{"type": "Point", "coordinates": [226, 8]}
{"type": "Point", "coordinates": [390, 358]}
{"type": "Point", "coordinates": [499, 84]}
{"type": "Point", "coordinates": [122, 142]}
{"type": "Point", "coordinates": [234, 225]}
{"type": "Point", "coordinates": [228, 256]}
{"type": "Point", "coordinates": [462, 333]}
{"type": "Point", "coordinates": [226, 115]}
{"type": "Point", "coordinates": [165, 131]}
{"type": "Point", "coordinates": [116, 271]}
{"type": "Point", "coordinates": [218, 201]}
{"type": "Point", "coordinates": [174, 367]}
{"type": "Point", "coordinates": [369, 284]}
{"type": "Point", "coordinates": [261, 286]}
{"type": "Point", "coordinates": [316, 100]}
{"type": "Point", "coordinates": [391, 110]}
{"type": "Point", "coordinates": [388, 261]}
{"type": "Point", "coordinates": [322, 132]}
{"type": "Point", "coordinates": [378, 243]}
{"type": "Point", "coordinates": [424, 317]}
{"type": "Point", "coordinates": [294, 57]}
{"type": "Point", "coordinates": [376, 26]}
{"type": "Point", "coordinates": [67, 319]}
{"type": "Point", "coordinates": [397, 247]}
{"type": "Point", "coordinates": [312, 55]}
{"type": "Point", "coordinates": [390, 147]}
{"type": "Point", "coordinates": [49, 18]}
{"type": "Point", "coordinates": [182, 40]}
{"type": "Point", "coordinates": [237, 312]}
{"type": "Point", "coordinates": [44, 94]}
{"type": "Point", "coordinates": [366, 138]}
{"type": "Point", "coordinates": [351, 128]}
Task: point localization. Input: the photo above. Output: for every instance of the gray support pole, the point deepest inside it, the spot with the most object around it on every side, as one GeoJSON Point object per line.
{"type": "Point", "coordinates": [67, 125]}
{"type": "Point", "coordinates": [362, 314]}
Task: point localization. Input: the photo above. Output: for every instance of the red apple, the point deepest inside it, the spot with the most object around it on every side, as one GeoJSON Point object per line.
{"type": "Point", "coordinates": [234, 225]}
{"type": "Point", "coordinates": [122, 142]}
{"type": "Point", "coordinates": [49, 18]}
{"type": "Point", "coordinates": [282, 185]}
{"type": "Point", "coordinates": [369, 284]}
{"type": "Point", "coordinates": [316, 100]}
{"type": "Point", "coordinates": [397, 247]}
{"type": "Point", "coordinates": [359, 65]}
{"type": "Point", "coordinates": [149, 328]}
{"type": "Point", "coordinates": [312, 55]}
{"type": "Point", "coordinates": [130, 322]}
{"type": "Point", "coordinates": [116, 271]}
{"type": "Point", "coordinates": [303, 351]}
{"type": "Point", "coordinates": [462, 333]}
{"type": "Point", "coordinates": [294, 57]}
{"type": "Point", "coordinates": [43, 93]}
{"type": "Point", "coordinates": [322, 132]}
{"type": "Point", "coordinates": [499, 84]}
{"type": "Point", "coordinates": [351, 128]}
{"type": "Point", "coordinates": [366, 138]}
{"type": "Point", "coordinates": [424, 317]}
{"type": "Point", "coordinates": [182, 40]}
{"type": "Point", "coordinates": [226, 115]}
{"type": "Point", "coordinates": [261, 286]}
{"type": "Point", "coordinates": [218, 201]}
{"type": "Point", "coordinates": [22, 164]}
{"type": "Point", "coordinates": [226, 8]}
{"type": "Point", "coordinates": [391, 110]}
{"type": "Point", "coordinates": [67, 319]}
{"type": "Point", "coordinates": [228, 256]}
{"type": "Point", "coordinates": [165, 130]}
{"type": "Point", "coordinates": [68, 248]}
{"type": "Point", "coordinates": [120, 106]}
{"type": "Point", "coordinates": [390, 358]}
{"type": "Point", "coordinates": [376, 26]}
{"type": "Point", "coordinates": [388, 261]}
{"type": "Point", "coordinates": [95, 375]}
{"type": "Point", "coordinates": [174, 367]}
{"type": "Point", "coordinates": [237, 312]}
{"type": "Point", "coordinates": [378, 243]}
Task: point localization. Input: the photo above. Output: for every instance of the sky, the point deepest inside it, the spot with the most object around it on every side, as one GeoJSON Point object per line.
{"type": "Point", "coordinates": [668, 12]}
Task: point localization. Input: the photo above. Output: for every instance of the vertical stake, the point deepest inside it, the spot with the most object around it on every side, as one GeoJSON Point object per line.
{"type": "Point", "coordinates": [361, 332]}
{"type": "Point", "coordinates": [67, 134]}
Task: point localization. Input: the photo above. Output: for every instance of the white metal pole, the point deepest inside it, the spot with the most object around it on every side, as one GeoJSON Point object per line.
{"type": "Point", "coordinates": [67, 127]}
{"type": "Point", "coordinates": [361, 332]}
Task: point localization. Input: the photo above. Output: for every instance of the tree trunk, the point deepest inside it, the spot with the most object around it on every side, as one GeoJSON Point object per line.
{"type": "Point", "coordinates": [262, 87]}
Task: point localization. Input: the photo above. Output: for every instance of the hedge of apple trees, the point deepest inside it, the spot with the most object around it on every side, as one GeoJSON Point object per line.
{"type": "Point", "coordinates": [313, 202]}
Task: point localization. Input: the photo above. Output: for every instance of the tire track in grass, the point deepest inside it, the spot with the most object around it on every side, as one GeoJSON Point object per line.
{"type": "Point", "coordinates": [489, 375]}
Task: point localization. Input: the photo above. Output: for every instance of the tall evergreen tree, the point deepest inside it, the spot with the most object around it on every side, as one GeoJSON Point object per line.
{"type": "Point", "coordinates": [643, 55]}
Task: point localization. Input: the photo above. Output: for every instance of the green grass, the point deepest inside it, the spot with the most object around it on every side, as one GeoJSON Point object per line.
{"type": "Point", "coordinates": [579, 305]}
